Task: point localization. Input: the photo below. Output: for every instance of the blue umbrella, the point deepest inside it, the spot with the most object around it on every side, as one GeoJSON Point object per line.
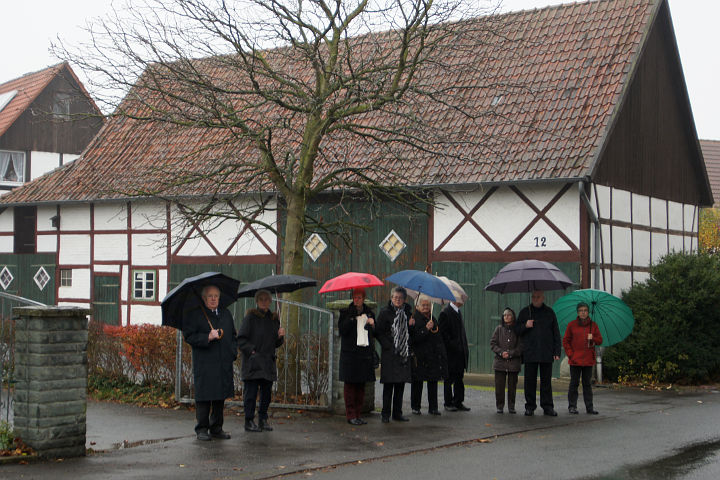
{"type": "Point", "coordinates": [422, 282]}
{"type": "Point", "coordinates": [186, 296]}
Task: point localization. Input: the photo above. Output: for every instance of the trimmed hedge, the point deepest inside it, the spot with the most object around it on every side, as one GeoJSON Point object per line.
{"type": "Point", "coordinates": [677, 324]}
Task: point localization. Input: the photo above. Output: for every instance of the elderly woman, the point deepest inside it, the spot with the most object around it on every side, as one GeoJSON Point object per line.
{"type": "Point", "coordinates": [507, 348]}
{"type": "Point", "coordinates": [260, 334]}
{"type": "Point", "coordinates": [357, 341]}
{"type": "Point", "coordinates": [428, 357]}
{"type": "Point", "coordinates": [391, 330]}
{"type": "Point", "coordinates": [581, 337]}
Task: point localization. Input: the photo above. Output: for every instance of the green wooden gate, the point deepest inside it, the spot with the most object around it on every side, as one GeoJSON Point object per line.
{"type": "Point", "coordinates": [106, 299]}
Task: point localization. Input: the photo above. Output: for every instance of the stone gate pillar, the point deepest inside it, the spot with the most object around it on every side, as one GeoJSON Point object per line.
{"type": "Point", "coordinates": [338, 401]}
{"type": "Point", "coordinates": [50, 401]}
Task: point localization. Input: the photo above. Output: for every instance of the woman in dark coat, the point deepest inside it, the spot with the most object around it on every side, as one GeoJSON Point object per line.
{"type": "Point", "coordinates": [508, 348]}
{"type": "Point", "coordinates": [428, 357]}
{"type": "Point", "coordinates": [210, 331]}
{"type": "Point", "coordinates": [260, 334]}
{"type": "Point", "coordinates": [391, 330]}
{"type": "Point", "coordinates": [357, 341]}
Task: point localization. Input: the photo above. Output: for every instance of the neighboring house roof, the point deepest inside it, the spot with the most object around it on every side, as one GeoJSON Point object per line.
{"type": "Point", "coordinates": [711, 153]}
{"type": "Point", "coordinates": [573, 64]}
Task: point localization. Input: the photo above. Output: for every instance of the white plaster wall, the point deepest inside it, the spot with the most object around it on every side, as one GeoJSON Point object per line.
{"type": "Point", "coordinates": [675, 216]}
{"type": "Point", "coordinates": [659, 247]}
{"type": "Point", "coordinates": [541, 238]}
{"type": "Point", "coordinates": [123, 315]}
{"type": "Point", "coordinates": [622, 245]}
{"type": "Point", "coordinates": [124, 269]}
{"type": "Point", "coordinates": [74, 304]}
{"type": "Point", "coordinates": [107, 268]}
{"type": "Point", "coordinates": [493, 217]}
{"type": "Point", "coordinates": [7, 244]}
{"type": "Point", "coordinates": [149, 249]}
{"type": "Point", "coordinates": [691, 219]}
{"type": "Point", "coordinates": [46, 243]}
{"type": "Point", "coordinates": [111, 247]}
{"type": "Point", "coordinates": [621, 210]}
{"type": "Point", "coordinates": [74, 217]}
{"type": "Point", "coordinates": [446, 216]}
{"type": "Point", "coordinates": [110, 217]}
{"type": "Point", "coordinates": [641, 248]}
{"type": "Point", "coordinates": [641, 210]}
{"type": "Point", "coordinates": [640, 277]}
{"type": "Point", "coordinates": [75, 249]}
{"type": "Point", "coordinates": [565, 214]}
{"type": "Point", "coordinates": [43, 162]}
{"type": "Point", "coordinates": [658, 213]}
{"type": "Point", "coordinates": [145, 314]}
{"type": "Point", "coordinates": [621, 281]}
{"type": "Point", "coordinates": [69, 157]}
{"type": "Point", "coordinates": [602, 201]}
{"type": "Point", "coordinates": [162, 283]}
{"type": "Point", "coordinates": [7, 220]}
{"type": "Point", "coordinates": [691, 244]}
{"type": "Point", "coordinates": [676, 243]}
{"type": "Point", "coordinates": [148, 216]}
{"type": "Point", "coordinates": [44, 214]}
{"type": "Point", "coordinates": [196, 246]}
{"type": "Point", "coordinates": [80, 285]}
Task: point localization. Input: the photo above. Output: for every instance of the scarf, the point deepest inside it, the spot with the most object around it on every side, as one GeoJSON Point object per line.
{"type": "Point", "coordinates": [400, 332]}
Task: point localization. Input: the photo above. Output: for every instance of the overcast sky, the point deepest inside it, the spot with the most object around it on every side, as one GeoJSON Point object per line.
{"type": "Point", "coordinates": [29, 26]}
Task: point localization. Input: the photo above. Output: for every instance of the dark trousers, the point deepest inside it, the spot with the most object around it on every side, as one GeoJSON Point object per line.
{"type": "Point", "coordinates": [512, 381]}
{"type": "Point", "coordinates": [354, 394]}
{"type": "Point", "coordinates": [209, 416]}
{"type": "Point", "coordinates": [575, 373]}
{"type": "Point", "coordinates": [531, 371]}
{"type": "Point", "coordinates": [392, 399]}
{"type": "Point", "coordinates": [454, 392]}
{"type": "Point", "coordinates": [250, 392]}
{"type": "Point", "coordinates": [416, 389]}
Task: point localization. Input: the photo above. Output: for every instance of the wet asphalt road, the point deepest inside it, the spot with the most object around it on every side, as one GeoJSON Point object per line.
{"type": "Point", "coordinates": [638, 435]}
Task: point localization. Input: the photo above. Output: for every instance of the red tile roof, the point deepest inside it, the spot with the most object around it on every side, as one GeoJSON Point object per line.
{"type": "Point", "coordinates": [711, 153]}
{"type": "Point", "coordinates": [539, 99]}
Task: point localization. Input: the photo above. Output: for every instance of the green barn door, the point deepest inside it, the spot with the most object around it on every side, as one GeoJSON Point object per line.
{"type": "Point", "coordinates": [106, 299]}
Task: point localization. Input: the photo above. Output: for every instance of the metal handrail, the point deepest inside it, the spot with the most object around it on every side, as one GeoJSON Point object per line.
{"type": "Point", "coordinates": [27, 301]}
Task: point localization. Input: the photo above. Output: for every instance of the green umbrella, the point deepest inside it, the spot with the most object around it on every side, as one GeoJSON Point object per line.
{"type": "Point", "coordinates": [613, 317]}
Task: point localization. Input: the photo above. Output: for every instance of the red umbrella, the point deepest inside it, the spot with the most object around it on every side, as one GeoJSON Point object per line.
{"type": "Point", "coordinates": [351, 280]}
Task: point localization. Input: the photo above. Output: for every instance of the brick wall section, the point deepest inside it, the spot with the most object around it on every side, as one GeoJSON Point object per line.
{"type": "Point", "coordinates": [50, 402]}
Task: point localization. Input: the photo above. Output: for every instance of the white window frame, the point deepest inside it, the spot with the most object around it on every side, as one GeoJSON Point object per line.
{"type": "Point", "coordinates": [66, 277]}
{"type": "Point", "coordinates": [4, 168]}
{"type": "Point", "coordinates": [148, 289]}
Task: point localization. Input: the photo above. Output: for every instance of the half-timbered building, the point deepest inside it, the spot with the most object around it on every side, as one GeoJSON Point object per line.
{"type": "Point", "coordinates": [595, 166]}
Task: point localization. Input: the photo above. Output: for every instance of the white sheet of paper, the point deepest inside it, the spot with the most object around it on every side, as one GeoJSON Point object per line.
{"type": "Point", "coordinates": [362, 334]}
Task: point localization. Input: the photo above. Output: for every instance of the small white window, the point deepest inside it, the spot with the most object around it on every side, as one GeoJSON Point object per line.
{"type": "Point", "coordinates": [66, 277]}
{"type": "Point", "coordinates": [314, 246]}
{"type": "Point", "coordinates": [392, 245]}
{"type": "Point", "coordinates": [12, 166]}
{"type": "Point", "coordinates": [41, 278]}
{"type": "Point", "coordinates": [144, 284]}
{"type": "Point", "coordinates": [6, 278]}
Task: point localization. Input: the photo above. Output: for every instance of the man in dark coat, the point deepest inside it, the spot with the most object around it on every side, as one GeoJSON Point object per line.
{"type": "Point", "coordinates": [356, 326]}
{"type": "Point", "coordinates": [452, 328]}
{"type": "Point", "coordinates": [538, 329]}
{"type": "Point", "coordinates": [260, 334]}
{"type": "Point", "coordinates": [391, 330]}
{"type": "Point", "coordinates": [210, 331]}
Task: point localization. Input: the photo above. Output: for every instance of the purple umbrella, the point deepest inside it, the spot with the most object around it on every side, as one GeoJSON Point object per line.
{"type": "Point", "coordinates": [527, 276]}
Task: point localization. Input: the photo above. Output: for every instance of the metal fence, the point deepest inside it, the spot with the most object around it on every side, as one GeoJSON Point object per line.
{"type": "Point", "coordinates": [7, 351]}
{"type": "Point", "coordinates": [304, 361]}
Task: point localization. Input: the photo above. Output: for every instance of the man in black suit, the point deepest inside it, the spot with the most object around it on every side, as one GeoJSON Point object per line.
{"type": "Point", "coordinates": [452, 328]}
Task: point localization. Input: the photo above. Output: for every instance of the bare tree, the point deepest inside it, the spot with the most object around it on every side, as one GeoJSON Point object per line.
{"type": "Point", "coordinates": [288, 98]}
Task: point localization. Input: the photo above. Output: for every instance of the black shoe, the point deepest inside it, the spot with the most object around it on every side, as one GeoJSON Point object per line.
{"type": "Point", "coordinates": [434, 412]}
{"type": "Point", "coordinates": [592, 411]}
{"type": "Point", "coordinates": [512, 411]}
{"type": "Point", "coordinates": [529, 413]}
{"type": "Point", "coordinates": [264, 425]}
{"type": "Point", "coordinates": [450, 408]}
{"type": "Point", "coordinates": [362, 422]}
{"type": "Point", "coordinates": [416, 412]}
{"type": "Point", "coordinates": [400, 418]}
{"type": "Point", "coordinates": [550, 412]}
{"type": "Point", "coordinates": [573, 410]}
{"type": "Point", "coordinates": [499, 410]}
{"type": "Point", "coordinates": [250, 426]}
{"type": "Point", "coordinates": [355, 421]}
{"type": "Point", "coordinates": [203, 436]}
{"type": "Point", "coordinates": [222, 434]}
{"type": "Point", "coordinates": [462, 408]}
{"type": "Point", "coordinates": [386, 419]}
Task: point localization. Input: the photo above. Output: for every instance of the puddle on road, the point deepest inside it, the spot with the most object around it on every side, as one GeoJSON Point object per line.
{"type": "Point", "coordinates": [695, 458]}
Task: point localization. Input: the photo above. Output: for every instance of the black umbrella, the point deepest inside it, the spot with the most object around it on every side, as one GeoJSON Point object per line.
{"type": "Point", "coordinates": [276, 284]}
{"type": "Point", "coordinates": [186, 296]}
{"type": "Point", "coordinates": [528, 276]}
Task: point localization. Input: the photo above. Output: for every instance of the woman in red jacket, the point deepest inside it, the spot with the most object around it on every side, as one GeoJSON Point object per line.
{"type": "Point", "coordinates": [581, 337]}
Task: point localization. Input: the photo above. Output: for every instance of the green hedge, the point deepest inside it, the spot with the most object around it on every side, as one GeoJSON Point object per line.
{"type": "Point", "coordinates": [677, 324]}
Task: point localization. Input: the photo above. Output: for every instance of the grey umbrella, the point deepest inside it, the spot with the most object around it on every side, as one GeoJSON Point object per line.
{"type": "Point", "coordinates": [528, 276]}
